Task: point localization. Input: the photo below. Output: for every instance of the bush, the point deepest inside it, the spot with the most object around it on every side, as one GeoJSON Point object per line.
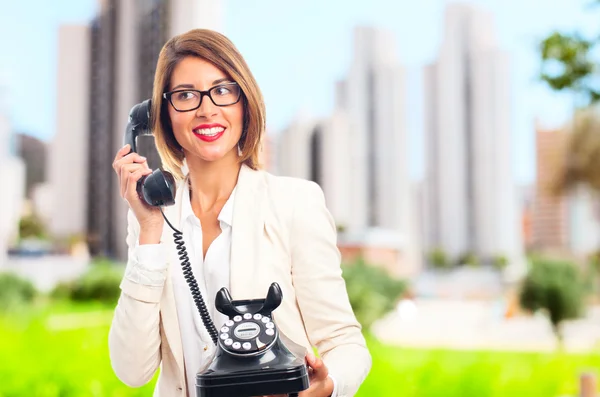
{"type": "Point", "coordinates": [31, 226]}
{"type": "Point", "coordinates": [499, 262]}
{"type": "Point", "coordinates": [556, 288]}
{"type": "Point", "coordinates": [438, 259]}
{"type": "Point", "coordinates": [100, 283]}
{"type": "Point", "coordinates": [15, 291]}
{"type": "Point", "coordinates": [467, 259]}
{"type": "Point", "coordinates": [371, 290]}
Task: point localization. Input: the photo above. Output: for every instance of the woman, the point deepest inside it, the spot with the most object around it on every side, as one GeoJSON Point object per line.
{"type": "Point", "coordinates": [243, 229]}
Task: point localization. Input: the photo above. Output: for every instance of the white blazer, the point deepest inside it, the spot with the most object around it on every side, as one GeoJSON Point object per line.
{"type": "Point", "coordinates": [282, 232]}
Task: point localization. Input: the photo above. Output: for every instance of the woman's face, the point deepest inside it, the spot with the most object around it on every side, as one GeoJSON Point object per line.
{"type": "Point", "coordinates": [210, 132]}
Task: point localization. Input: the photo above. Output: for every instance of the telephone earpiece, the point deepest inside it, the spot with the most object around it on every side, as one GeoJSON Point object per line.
{"type": "Point", "coordinates": [158, 188]}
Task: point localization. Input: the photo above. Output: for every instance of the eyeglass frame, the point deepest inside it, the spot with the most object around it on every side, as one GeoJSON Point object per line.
{"type": "Point", "coordinates": [168, 95]}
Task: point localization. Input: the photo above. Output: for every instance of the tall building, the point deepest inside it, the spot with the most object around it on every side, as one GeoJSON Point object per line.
{"type": "Point", "coordinates": [471, 197]}
{"type": "Point", "coordinates": [33, 151]}
{"type": "Point", "coordinates": [561, 223]}
{"type": "Point", "coordinates": [373, 97]}
{"type": "Point", "coordinates": [318, 150]}
{"type": "Point", "coordinates": [550, 211]}
{"type": "Point", "coordinates": [12, 174]}
{"type": "Point", "coordinates": [360, 151]}
{"type": "Point", "coordinates": [126, 39]}
{"type": "Point", "coordinates": [66, 164]}
{"type": "Point", "coordinates": [359, 154]}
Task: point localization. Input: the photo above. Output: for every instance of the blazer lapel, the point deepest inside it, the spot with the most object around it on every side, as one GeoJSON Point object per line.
{"type": "Point", "coordinates": [169, 311]}
{"type": "Point", "coordinates": [247, 229]}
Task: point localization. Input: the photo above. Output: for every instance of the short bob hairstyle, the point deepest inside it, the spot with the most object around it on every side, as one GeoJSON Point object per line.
{"type": "Point", "coordinates": [220, 51]}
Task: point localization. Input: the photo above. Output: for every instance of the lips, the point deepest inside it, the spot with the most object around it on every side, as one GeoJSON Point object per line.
{"type": "Point", "coordinates": [209, 132]}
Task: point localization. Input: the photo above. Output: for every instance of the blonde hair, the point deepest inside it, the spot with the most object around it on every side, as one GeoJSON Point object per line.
{"type": "Point", "coordinates": [220, 51]}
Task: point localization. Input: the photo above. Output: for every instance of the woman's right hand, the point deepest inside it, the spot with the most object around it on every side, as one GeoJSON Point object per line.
{"type": "Point", "coordinates": [130, 167]}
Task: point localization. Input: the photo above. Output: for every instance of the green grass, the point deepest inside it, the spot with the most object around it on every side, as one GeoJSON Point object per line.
{"type": "Point", "coordinates": [41, 358]}
{"type": "Point", "coordinates": [48, 352]}
{"type": "Point", "coordinates": [431, 373]}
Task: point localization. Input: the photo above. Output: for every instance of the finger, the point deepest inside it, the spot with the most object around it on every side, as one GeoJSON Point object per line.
{"type": "Point", "coordinates": [120, 154]}
{"type": "Point", "coordinates": [310, 358]}
{"type": "Point", "coordinates": [131, 194]}
{"type": "Point", "coordinates": [132, 157]}
{"type": "Point", "coordinates": [320, 371]}
{"type": "Point", "coordinates": [126, 170]}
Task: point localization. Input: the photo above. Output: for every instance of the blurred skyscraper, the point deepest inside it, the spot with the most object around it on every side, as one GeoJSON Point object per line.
{"type": "Point", "coordinates": [12, 174]}
{"type": "Point", "coordinates": [549, 221]}
{"type": "Point", "coordinates": [562, 223]}
{"type": "Point", "coordinates": [33, 151]}
{"type": "Point", "coordinates": [373, 97]}
{"type": "Point", "coordinates": [68, 160]}
{"type": "Point", "coordinates": [120, 59]}
{"type": "Point", "coordinates": [359, 155]}
{"type": "Point", "coordinates": [319, 150]}
{"type": "Point", "coordinates": [472, 203]}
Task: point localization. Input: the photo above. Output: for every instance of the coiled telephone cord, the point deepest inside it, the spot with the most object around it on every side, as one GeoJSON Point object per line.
{"type": "Point", "coordinates": [191, 280]}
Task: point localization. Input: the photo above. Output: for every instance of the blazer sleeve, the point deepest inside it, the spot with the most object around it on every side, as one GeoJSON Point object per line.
{"type": "Point", "coordinates": [321, 291]}
{"type": "Point", "coordinates": [134, 337]}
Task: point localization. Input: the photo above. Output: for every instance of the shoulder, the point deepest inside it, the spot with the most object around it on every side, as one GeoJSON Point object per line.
{"type": "Point", "coordinates": [291, 189]}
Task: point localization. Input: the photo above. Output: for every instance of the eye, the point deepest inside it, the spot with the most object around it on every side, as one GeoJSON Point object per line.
{"type": "Point", "coordinates": [185, 95]}
{"type": "Point", "coordinates": [222, 90]}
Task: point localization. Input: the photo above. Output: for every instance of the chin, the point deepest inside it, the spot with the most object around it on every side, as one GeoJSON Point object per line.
{"type": "Point", "coordinates": [213, 155]}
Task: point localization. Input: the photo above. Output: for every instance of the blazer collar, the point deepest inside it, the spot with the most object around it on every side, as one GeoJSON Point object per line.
{"type": "Point", "coordinates": [247, 229]}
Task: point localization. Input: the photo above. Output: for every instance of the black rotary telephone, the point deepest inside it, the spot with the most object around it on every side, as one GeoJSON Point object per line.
{"type": "Point", "coordinates": [251, 357]}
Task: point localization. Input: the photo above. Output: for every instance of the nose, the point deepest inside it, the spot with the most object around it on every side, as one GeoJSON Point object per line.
{"type": "Point", "coordinates": [207, 108]}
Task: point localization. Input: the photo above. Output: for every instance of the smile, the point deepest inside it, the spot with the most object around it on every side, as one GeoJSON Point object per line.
{"type": "Point", "coordinates": [209, 134]}
{"type": "Point", "coordinates": [209, 131]}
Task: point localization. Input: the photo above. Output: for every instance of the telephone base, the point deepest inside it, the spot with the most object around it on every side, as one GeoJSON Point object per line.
{"type": "Point", "coordinates": [277, 371]}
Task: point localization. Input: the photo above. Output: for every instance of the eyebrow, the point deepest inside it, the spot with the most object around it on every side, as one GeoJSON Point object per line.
{"type": "Point", "coordinates": [221, 80]}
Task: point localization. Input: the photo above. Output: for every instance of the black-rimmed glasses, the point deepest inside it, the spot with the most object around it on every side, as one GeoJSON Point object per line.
{"type": "Point", "coordinates": [187, 100]}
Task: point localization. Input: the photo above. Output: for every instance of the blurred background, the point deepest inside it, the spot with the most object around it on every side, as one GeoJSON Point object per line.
{"type": "Point", "coordinates": [457, 144]}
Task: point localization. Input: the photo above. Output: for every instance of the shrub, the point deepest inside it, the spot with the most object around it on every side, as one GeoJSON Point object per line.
{"type": "Point", "coordinates": [467, 259]}
{"type": "Point", "coordinates": [31, 226]}
{"type": "Point", "coordinates": [556, 288]}
{"type": "Point", "coordinates": [15, 291]}
{"type": "Point", "coordinates": [499, 262]}
{"type": "Point", "coordinates": [100, 283]}
{"type": "Point", "coordinates": [438, 259]}
{"type": "Point", "coordinates": [371, 290]}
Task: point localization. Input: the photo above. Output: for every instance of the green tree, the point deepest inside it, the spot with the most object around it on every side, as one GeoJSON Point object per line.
{"type": "Point", "coordinates": [568, 66]}
{"type": "Point", "coordinates": [556, 288]}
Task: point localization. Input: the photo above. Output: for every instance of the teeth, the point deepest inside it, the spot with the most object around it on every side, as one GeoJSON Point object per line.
{"type": "Point", "coordinates": [209, 131]}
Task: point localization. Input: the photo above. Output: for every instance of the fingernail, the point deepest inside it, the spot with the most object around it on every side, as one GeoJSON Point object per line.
{"type": "Point", "coordinates": [126, 145]}
{"type": "Point", "coordinates": [143, 158]}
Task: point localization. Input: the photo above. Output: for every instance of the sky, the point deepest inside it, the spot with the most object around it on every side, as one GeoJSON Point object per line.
{"type": "Point", "coordinates": [298, 50]}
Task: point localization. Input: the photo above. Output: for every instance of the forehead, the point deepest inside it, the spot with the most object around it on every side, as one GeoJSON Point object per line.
{"type": "Point", "coordinates": [197, 72]}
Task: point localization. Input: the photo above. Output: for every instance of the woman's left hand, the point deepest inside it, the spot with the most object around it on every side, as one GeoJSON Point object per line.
{"type": "Point", "coordinates": [321, 384]}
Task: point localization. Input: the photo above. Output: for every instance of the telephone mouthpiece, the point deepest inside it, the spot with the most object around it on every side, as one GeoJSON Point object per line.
{"type": "Point", "coordinates": [158, 188]}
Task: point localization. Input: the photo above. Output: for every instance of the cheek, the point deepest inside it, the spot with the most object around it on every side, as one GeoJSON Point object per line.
{"type": "Point", "coordinates": [180, 122]}
{"type": "Point", "coordinates": [237, 117]}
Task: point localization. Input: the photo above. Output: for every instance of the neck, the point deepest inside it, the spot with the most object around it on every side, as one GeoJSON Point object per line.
{"type": "Point", "coordinates": [211, 182]}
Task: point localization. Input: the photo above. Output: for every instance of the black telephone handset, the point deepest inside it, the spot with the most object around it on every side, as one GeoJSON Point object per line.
{"type": "Point", "coordinates": [251, 358]}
